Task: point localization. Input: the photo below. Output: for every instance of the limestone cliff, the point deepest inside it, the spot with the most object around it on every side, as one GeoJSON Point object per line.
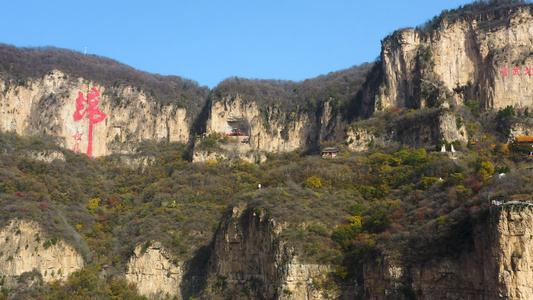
{"type": "Point", "coordinates": [131, 106]}
{"type": "Point", "coordinates": [266, 130]}
{"type": "Point", "coordinates": [498, 266]}
{"type": "Point", "coordinates": [247, 257]}
{"type": "Point", "coordinates": [461, 58]}
{"type": "Point", "coordinates": [482, 56]}
{"type": "Point", "coordinates": [514, 256]}
{"type": "Point", "coordinates": [250, 258]}
{"type": "Point", "coordinates": [237, 113]}
{"type": "Point", "coordinates": [25, 247]}
{"type": "Point", "coordinates": [302, 281]}
{"type": "Point", "coordinates": [47, 106]}
{"type": "Point", "coordinates": [155, 272]}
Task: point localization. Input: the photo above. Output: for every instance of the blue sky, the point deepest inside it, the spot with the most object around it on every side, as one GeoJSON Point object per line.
{"type": "Point", "coordinates": [211, 40]}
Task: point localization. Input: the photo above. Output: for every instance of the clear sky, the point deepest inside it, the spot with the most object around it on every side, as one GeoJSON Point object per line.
{"type": "Point", "coordinates": [211, 40]}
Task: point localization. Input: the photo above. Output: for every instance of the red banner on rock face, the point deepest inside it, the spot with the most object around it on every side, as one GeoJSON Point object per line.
{"type": "Point", "coordinates": [88, 108]}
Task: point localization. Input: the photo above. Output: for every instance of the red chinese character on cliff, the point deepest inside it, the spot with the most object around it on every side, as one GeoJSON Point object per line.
{"type": "Point", "coordinates": [504, 71]}
{"type": "Point", "coordinates": [89, 109]}
{"type": "Point", "coordinates": [77, 138]}
{"type": "Point", "coordinates": [516, 71]}
{"type": "Point", "coordinates": [529, 71]}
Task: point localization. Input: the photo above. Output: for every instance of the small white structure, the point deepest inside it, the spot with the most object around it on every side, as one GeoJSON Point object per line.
{"type": "Point", "coordinates": [453, 150]}
{"type": "Point", "coordinates": [443, 148]}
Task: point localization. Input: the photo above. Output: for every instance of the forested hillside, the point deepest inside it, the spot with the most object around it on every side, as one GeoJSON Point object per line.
{"type": "Point", "coordinates": [339, 88]}
{"type": "Point", "coordinates": [396, 202]}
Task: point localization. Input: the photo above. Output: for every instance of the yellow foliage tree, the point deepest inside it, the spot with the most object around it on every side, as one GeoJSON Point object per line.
{"type": "Point", "coordinates": [356, 221]}
{"type": "Point", "coordinates": [93, 204]}
{"type": "Point", "coordinates": [313, 182]}
{"type": "Point", "coordinates": [487, 166]}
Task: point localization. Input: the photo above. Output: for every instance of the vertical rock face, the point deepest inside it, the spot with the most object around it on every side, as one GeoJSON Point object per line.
{"type": "Point", "coordinates": [47, 105]}
{"type": "Point", "coordinates": [466, 57]}
{"type": "Point", "coordinates": [515, 255]}
{"type": "Point", "coordinates": [245, 254]}
{"type": "Point", "coordinates": [25, 248]}
{"type": "Point", "coordinates": [264, 135]}
{"type": "Point", "coordinates": [303, 282]}
{"type": "Point", "coordinates": [154, 273]}
{"type": "Point", "coordinates": [267, 130]}
{"type": "Point", "coordinates": [498, 267]}
{"type": "Point", "coordinates": [248, 257]}
{"type": "Point", "coordinates": [398, 53]}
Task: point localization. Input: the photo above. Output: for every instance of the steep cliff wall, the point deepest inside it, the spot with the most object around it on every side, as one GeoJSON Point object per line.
{"type": "Point", "coordinates": [498, 266]}
{"type": "Point", "coordinates": [266, 130]}
{"type": "Point", "coordinates": [155, 272]}
{"type": "Point", "coordinates": [24, 247]}
{"type": "Point", "coordinates": [514, 254]}
{"type": "Point", "coordinates": [270, 129]}
{"type": "Point", "coordinates": [303, 281]}
{"type": "Point", "coordinates": [463, 58]}
{"type": "Point", "coordinates": [466, 56]}
{"type": "Point", "coordinates": [250, 258]}
{"type": "Point", "coordinates": [47, 106]}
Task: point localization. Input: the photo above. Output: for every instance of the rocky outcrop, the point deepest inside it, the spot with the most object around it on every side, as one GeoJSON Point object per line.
{"type": "Point", "coordinates": [467, 56]}
{"type": "Point", "coordinates": [266, 129]}
{"type": "Point", "coordinates": [514, 254]}
{"type": "Point", "coordinates": [155, 272]}
{"type": "Point", "coordinates": [229, 148]}
{"type": "Point", "coordinates": [245, 253]}
{"type": "Point", "coordinates": [303, 281]}
{"type": "Point", "coordinates": [464, 58]}
{"type": "Point", "coordinates": [520, 129]}
{"type": "Point", "coordinates": [25, 247]}
{"type": "Point", "coordinates": [452, 127]}
{"type": "Point", "coordinates": [423, 128]}
{"type": "Point", "coordinates": [264, 133]}
{"type": "Point", "coordinates": [498, 267]}
{"type": "Point", "coordinates": [250, 258]}
{"type": "Point", "coordinates": [47, 106]}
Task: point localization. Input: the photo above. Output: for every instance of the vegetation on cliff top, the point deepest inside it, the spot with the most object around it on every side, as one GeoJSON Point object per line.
{"type": "Point", "coordinates": [285, 97]}
{"type": "Point", "coordinates": [488, 13]}
{"type": "Point", "coordinates": [19, 65]}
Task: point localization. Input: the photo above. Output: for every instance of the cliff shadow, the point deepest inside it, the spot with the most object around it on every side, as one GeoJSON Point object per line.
{"type": "Point", "coordinates": [363, 105]}
{"type": "Point", "coordinates": [195, 276]}
{"type": "Point", "coordinates": [243, 259]}
{"type": "Point", "coordinates": [198, 128]}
